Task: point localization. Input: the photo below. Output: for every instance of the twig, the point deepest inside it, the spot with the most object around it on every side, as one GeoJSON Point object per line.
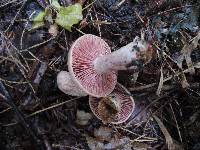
{"type": "Point", "coordinates": [43, 110]}
{"type": "Point", "coordinates": [37, 45]}
{"type": "Point", "coordinates": [21, 39]}
{"type": "Point", "coordinates": [173, 9]}
{"type": "Point", "coordinates": [89, 5]}
{"type": "Point", "coordinates": [99, 28]}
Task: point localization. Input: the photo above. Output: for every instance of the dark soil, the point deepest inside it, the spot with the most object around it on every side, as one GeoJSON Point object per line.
{"type": "Point", "coordinates": [31, 59]}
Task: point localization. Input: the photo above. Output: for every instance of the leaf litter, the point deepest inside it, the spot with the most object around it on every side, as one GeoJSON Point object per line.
{"type": "Point", "coordinates": [28, 69]}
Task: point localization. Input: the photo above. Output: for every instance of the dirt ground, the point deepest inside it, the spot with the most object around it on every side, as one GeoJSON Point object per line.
{"type": "Point", "coordinates": [35, 114]}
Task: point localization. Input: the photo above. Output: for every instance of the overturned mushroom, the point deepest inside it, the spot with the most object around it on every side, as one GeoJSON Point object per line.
{"type": "Point", "coordinates": [116, 108]}
{"type": "Point", "coordinates": [80, 64]}
{"type": "Point", "coordinates": [93, 68]}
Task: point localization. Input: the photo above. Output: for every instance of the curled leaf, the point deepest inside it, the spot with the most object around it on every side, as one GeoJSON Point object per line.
{"type": "Point", "coordinates": [68, 16]}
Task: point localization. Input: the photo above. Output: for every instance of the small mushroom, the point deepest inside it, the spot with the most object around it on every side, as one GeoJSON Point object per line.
{"type": "Point", "coordinates": [116, 108]}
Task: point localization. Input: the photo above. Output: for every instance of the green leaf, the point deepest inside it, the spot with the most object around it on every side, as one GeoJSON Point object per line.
{"type": "Point", "coordinates": [38, 21]}
{"type": "Point", "coordinates": [68, 16]}
{"type": "Point", "coordinates": [55, 4]}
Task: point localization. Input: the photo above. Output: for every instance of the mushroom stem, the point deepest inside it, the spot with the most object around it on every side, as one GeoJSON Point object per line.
{"type": "Point", "coordinates": [131, 56]}
{"type": "Point", "coordinates": [67, 85]}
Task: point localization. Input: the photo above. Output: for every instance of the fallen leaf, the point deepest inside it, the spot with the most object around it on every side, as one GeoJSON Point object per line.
{"type": "Point", "coordinates": [68, 16]}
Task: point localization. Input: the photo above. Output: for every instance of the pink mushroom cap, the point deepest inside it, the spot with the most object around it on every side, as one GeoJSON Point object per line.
{"type": "Point", "coordinates": [80, 64]}
{"type": "Point", "coordinates": [122, 95]}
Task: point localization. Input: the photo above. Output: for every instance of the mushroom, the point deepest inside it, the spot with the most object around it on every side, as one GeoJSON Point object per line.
{"type": "Point", "coordinates": [116, 108]}
{"type": "Point", "coordinates": [81, 59]}
{"type": "Point", "coordinates": [67, 85]}
{"type": "Point", "coordinates": [93, 68]}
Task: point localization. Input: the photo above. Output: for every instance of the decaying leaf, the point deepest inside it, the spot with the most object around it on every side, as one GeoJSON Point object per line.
{"type": "Point", "coordinates": [82, 117]}
{"type": "Point", "coordinates": [68, 16]}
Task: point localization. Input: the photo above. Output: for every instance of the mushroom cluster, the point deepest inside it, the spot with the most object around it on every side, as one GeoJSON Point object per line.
{"type": "Point", "coordinates": [93, 71]}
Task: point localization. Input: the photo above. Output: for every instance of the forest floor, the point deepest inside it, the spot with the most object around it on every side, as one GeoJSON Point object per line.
{"type": "Point", "coordinates": [35, 114]}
